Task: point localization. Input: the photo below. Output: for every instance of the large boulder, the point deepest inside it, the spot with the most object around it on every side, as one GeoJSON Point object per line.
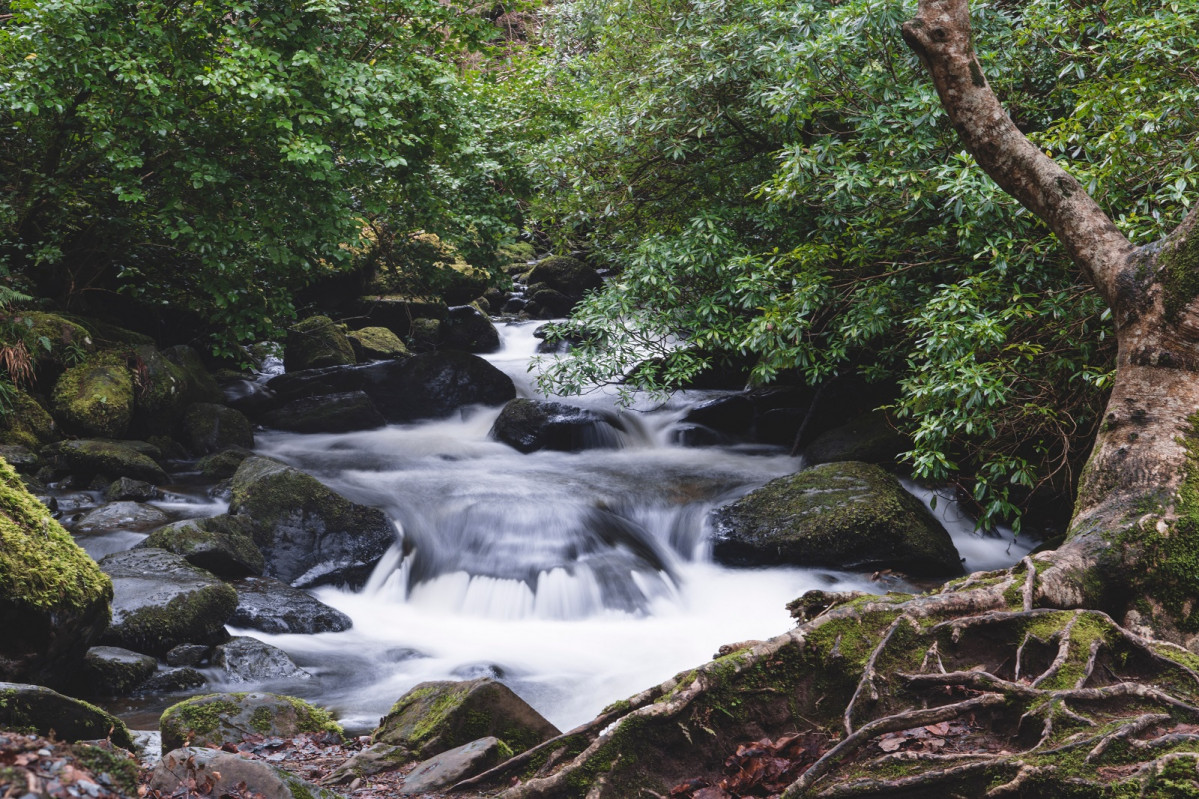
{"type": "Point", "coordinates": [275, 607]}
{"type": "Point", "coordinates": [437, 384]}
{"type": "Point", "coordinates": [841, 515]}
{"type": "Point", "coordinates": [377, 344]}
{"type": "Point", "coordinates": [113, 671]}
{"type": "Point", "coordinates": [223, 545]}
{"type": "Point", "coordinates": [529, 425]}
{"type": "Point", "coordinates": [217, 719]}
{"type": "Point", "coordinates": [327, 413]}
{"type": "Point", "coordinates": [167, 386]}
{"type": "Point", "coordinates": [732, 415]}
{"type": "Point", "coordinates": [91, 458]}
{"type": "Point", "coordinates": [54, 599]}
{"type": "Point", "coordinates": [160, 601]}
{"type": "Point", "coordinates": [209, 427]}
{"type": "Point", "coordinates": [308, 534]}
{"type": "Point", "coordinates": [316, 342]}
{"type": "Point", "coordinates": [435, 717]}
{"type": "Point", "coordinates": [194, 771]}
{"type": "Point", "coordinates": [34, 707]}
{"type": "Point", "coordinates": [468, 329]}
{"type": "Point", "coordinates": [565, 275]}
{"type": "Point", "coordinates": [397, 313]}
{"type": "Point", "coordinates": [200, 385]}
{"type": "Point", "coordinates": [95, 398]}
{"type": "Point", "coordinates": [27, 424]}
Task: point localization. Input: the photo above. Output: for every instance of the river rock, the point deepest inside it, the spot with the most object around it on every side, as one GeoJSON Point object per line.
{"type": "Point", "coordinates": [869, 438]}
{"type": "Point", "coordinates": [437, 716]}
{"type": "Point", "coordinates": [95, 398]}
{"type": "Point", "coordinates": [165, 390]}
{"type": "Point", "coordinates": [376, 344]}
{"type": "Point", "coordinates": [841, 515]}
{"type": "Point", "coordinates": [54, 600]}
{"type": "Point", "coordinates": [208, 428]}
{"type": "Point", "coordinates": [568, 276]}
{"type": "Point", "coordinates": [455, 765]}
{"type": "Point", "coordinates": [201, 386]}
{"type": "Point", "coordinates": [160, 601]}
{"type": "Point", "coordinates": [327, 413]}
{"type": "Point", "coordinates": [37, 708]}
{"type": "Point", "coordinates": [547, 303]}
{"type": "Point", "coordinates": [91, 458]}
{"type": "Point", "coordinates": [217, 719]}
{"type": "Point", "coordinates": [133, 516]}
{"type": "Point", "coordinates": [171, 681]}
{"type": "Point", "coordinates": [223, 545]}
{"type": "Point", "coordinates": [248, 396]}
{"type": "Point", "coordinates": [308, 534]}
{"type": "Point", "coordinates": [210, 772]}
{"type": "Point", "coordinates": [188, 655]}
{"type": "Point", "coordinates": [24, 460]}
{"type": "Point", "coordinates": [316, 342]}
{"type": "Point", "coordinates": [128, 489]}
{"type": "Point", "coordinates": [374, 759]}
{"type": "Point", "coordinates": [468, 329]}
{"type": "Point", "coordinates": [528, 425]}
{"type": "Point", "coordinates": [220, 465]}
{"type": "Point", "coordinates": [275, 607]}
{"type": "Point", "coordinates": [113, 671]}
{"type": "Point", "coordinates": [246, 659]}
{"type": "Point", "coordinates": [397, 313]}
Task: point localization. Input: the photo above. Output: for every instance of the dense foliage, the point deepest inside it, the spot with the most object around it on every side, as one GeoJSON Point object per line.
{"type": "Point", "coordinates": [777, 182]}
{"type": "Point", "coordinates": [217, 155]}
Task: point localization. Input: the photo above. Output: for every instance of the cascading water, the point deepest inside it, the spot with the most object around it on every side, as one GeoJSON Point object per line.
{"type": "Point", "coordinates": [576, 578]}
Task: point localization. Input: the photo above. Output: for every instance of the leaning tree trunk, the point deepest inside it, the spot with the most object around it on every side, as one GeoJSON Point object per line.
{"type": "Point", "coordinates": [1009, 683]}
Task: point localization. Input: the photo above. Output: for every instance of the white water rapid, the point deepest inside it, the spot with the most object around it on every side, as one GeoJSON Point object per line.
{"type": "Point", "coordinates": [575, 578]}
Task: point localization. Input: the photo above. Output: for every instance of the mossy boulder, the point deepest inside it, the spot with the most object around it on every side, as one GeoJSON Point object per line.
{"type": "Point", "coordinates": [435, 717]}
{"type": "Point", "coordinates": [517, 252]}
{"type": "Point", "coordinates": [377, 343]}
{"type": "Point", "coordinates": [128, 489]}
{"type": "Point", "coordinates": [308, 533]}
{"type": "Point", "coordinates": [425, 335]}
{"type": "Point", "coordinates": [40, 710]}
{"type": "Point", "coordinates": [211, 772]}
{"type": "Point", "coordinates": [273, 606]}
{"type": "Point", "coordinates": [468, 329]}
{"type": "Point", "coordinates": [220, 465]}
{"type": "Point", "coordinates": [216, 719]}
{"type": "Point", "coordinates": [841, 515]}
{"type": "Point", "coordinates": [160, 601]}
{"type": "Point", "coordinates": [327, 413]}
{"type": "Point", "coordinates": [397, 312]}
{"type": "Point", "coordinates": [200, 385]}
{"type": "Point", "coordinates": [209, 427]}
{"type": "Point", "coordinates": [69, 343]}
{"type": "Point", "coordinates": [23, 459]}
{"type": "Point", "coordinates": [165, 390]}
{"type": "Point", "coordinates": [316, 342]}
{"type": "Point", "coordinates": [91, 458]}
{"type": "Point", "coordinates": [568, 276]}
{"type": "Point", "coordinates": [95, 398]}
{"type": "Point", "coordinates": [528, 425]}
{"type": "Point", "coordinates": [28, 424]}
{"type": "Point", "coordinates": [223, 545]}
{"type": "Point", "coordinates": [113, 671]}
{"type": "Point", "coordinates": [54, 599]}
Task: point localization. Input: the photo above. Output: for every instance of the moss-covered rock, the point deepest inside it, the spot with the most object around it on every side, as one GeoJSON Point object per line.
{"type": "Point", "coordinates": [216, 719]}
{"type": "Point", "coordinates": [842, 515]}
{"type": "Point", "coordinates": [160, 601]}
{"type": "Point", "coordinates": [28, 424]}
{"type": "Point", "coordinates": [95, 398]}
{"type": "Point", "coordinates": [223, 545]}
{"type": "Point", "coordinates": [23, 459]}
{"type": "Point", "coordinates": [397, 312]}
{"type": "Point", "coordinates": [164, 392]}
{"type": "Point", "coordinates": [425, 334]}
{"type": "Point", "coordinates": [112, 671]}
{"type": "Point", "coordinates": [128, 489]}
{"type": "Point", "coordinates": [54, 342]}
{"type": "Point", "coordinates": [38, 709]}
{"type": "Point", "coordinates": [569, 276]}
{"type": "Point", "coordinates": [220, 465]}
{"type": "Point", "coordinates": [517, 252]}
{"type": "Point", "coordinates": [209, 427]}
{"type": "Point", "coordinates": [54, 599]}
{"type": "Point", "coordinates": [437, 716]}
{"type": "Point", "coordinates": [317, 342]}
{"type": "Point", "coordinates": [90, 458]}
{"type": "Point", "coordinates": [200, 386]}
{"type": "Point", "coordinates": [309, 534]}
{"type": "Point", "coordinates": [377, 343]}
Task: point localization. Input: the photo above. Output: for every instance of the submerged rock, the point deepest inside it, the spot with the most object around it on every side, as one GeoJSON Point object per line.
{"type": "Point", "coordinates": [275, 607]}
{"type": "Point", "coordinates": [34, 707]}
{"type": "Point", "coordinates": [840, 515]}
{"type": "Point", "coordinates": [216, 719]}
{"type": "Point", "coordinates": [528, 425]}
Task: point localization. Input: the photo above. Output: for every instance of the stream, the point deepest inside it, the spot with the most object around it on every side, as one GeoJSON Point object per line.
{"type": "Point", "coordinates": [577, 579]}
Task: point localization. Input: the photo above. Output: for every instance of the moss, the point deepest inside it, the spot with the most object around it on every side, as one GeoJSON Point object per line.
{"type": "Point", "coordinates": [121, 770]}
{"type": "Point", "coordinates": [27, 424]}
{"type": "Point", "coordinates": [1179, 267]}
{"type": "Point", "coordinates": [95, 398]}
{"type": "Point", "coordinates": [200, 714]}
{"type": "Point", "coordinates": [976, 74]}
{"type": "Point", "coordinates": [311, 718]}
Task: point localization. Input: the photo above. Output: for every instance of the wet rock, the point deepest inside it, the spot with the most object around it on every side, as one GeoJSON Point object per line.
{"type": "Point", "coordinates": [397, 313]}
{"type": "Point", "coordinates": [437, 384]}
{"type": "Point", "coordinates": [437, 716]}
{"type": "Point", "coordinates": [89, 458]}
{"type": "Point", "coordinates": [528, 425]}
{"type": "Point", "coordinates": [20, 458]}
{"type": "Point", "coordinates": [308, 534]}
{"type": "Point", "coordinates": [377, 343]}
{"type": "Point", "coordinates": [112, 671]}
{"type": "Point", "coordinates": [223, 545]}
{"type": "Point", "coordinates": [316, 342]}
{"type": "Point", "coordinates": [216, 719]}
{"type": "Point", "coordinates": [547, 303]}
{"type": "Point", "coordinates": [275, 607]}
{"type": "Point", "coordinates": [34, 707]}
{"type": "Point", "coordinates": [327, 413]}
{"type": "Point", "coordinates": [170, 681]}
{"type": "Point", "coordinates": [869, 438]}
{"type": "Point", "coordinates": [568, 276]}
{"type": "Point", "coordinates": [250, 660]}
{"type": "Point", "coordinates": [468, 329]}
{"type": "Point", "coordinates": [128, 489]}
{"type": "Point", "coordinates": [95, 398]}
{"type": "Point", "coordinates": [220, 465]}
{"type": "Point", "coordinates": [133, 516]}
{"type": "Point", "coordinates": [211, 772]}
{"type": "Point", "coordinates": [454, 765]}
{"type": "Point", "coordinates": [841, 515]}
{"type": "Point", "coordinates": [208, 428]}
{"type": "Point", "coordinates": [426, 334]}
{"type": "Point", "coordinates": [248, 396]}
{"type": "Point", "coordinates": [54, 601]}
{"type": "Point", "coordinates": [188, 655]}
{"type": "Point", "coordinates": [160, 601]}
{"type": "Point", "coordinates": [733, 415]}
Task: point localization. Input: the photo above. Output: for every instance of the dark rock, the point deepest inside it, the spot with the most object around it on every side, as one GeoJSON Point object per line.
{"type": "Point", "coordinates": [128, 489]}
{"type": "Point", "coordinates": [170, 681]}
{"type": "Point", "coordinates": [840, 515]}
{"type": "Point", "coordinates": [112, 671]}
{"type": "Point", "coordinates": [89, 458]}
{"type": "Point", "coordinates": [220, 465]}
{"type": "Point", "coordinates": [248, 396]}
{"type": "Point", "coordinates": [133, 516]}
{"type": "Point", "coordinates": [208, 428]}
{"type": "Point", "coordinates": [160, 601]}
{"type": "Point", "coordinates": [396, 313]}
{"type": "Point", "coordinates": [33, 707]}
{"type": "Point", "coordinates": [454, 765]}
{"type": "Point", "coordinates": [377, 343]}
{"type": "Point", "coordinates": [20, 458]}
{"type": "Point", "coordinates": [211, 772]}
{"type": "Point", "coordinates": [166, 389]}
{"type": "Point", "coordinates": [514, 305]}
{"type": "Point", "coordinates": [223, 545]}
{"type": "Point", "coordinates": [568, 276]}
{"type": "Point", "coordinates": [438, 716]}
{"type": "Point", "coordinates": [695, 435]}
{"type": "Point", "coordinates": [426, 334]}
{"type": "Point", "coordinates": [216, 719]}
{"type": "Point", "coordinates": [308, 534]}
{"type": "Point", "coordinates": [468, 329]}
{"type": "Point", "coordinates": [327, 413]}
{"type": "Point", "coordinates": [250, 660]}
{"type": "Point", "coordinates": [869, 438]}
{"type": "Point", "coordinates": [201, 385]}
{"type": "Point", "coordinates": [732, 415]}
{"type": "Point", "coordinates": [95, 398]}
{"type": "Point", "coordinates": [188, 655]}
{"type": "Point", "coordinates": [275, 607]}
{"type": "Point", "coordinates": [317, 342]}
{"type": "Point", "coordinates": [529, 425]}
{"type": "Point", "coordinates": [779, 426]}
{"type": "Point", "coordinates": [546, 303]}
